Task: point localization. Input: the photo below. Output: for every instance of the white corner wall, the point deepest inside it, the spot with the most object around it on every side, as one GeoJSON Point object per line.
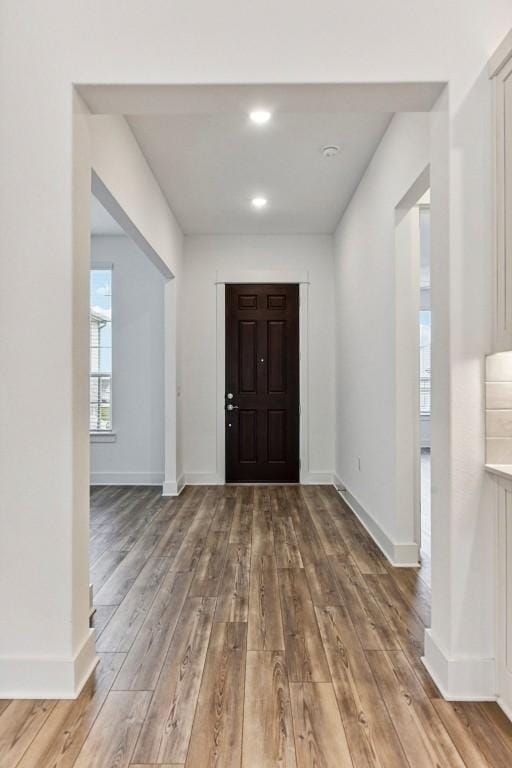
{"type": "Point", "coordinates": [137, 455]}
{"type": "Point", "coordinates": [204, 257]}
{"type": "Point", "coordinates": [365, 267]}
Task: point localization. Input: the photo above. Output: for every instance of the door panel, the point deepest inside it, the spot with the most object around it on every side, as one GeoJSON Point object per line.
{"type": "Point", "coordinates": [276, 436]}
{"type": "Point", "coordinates": [247, 436]}
{"type": "Point", "coordinates": [276, 353]}
{"type": "Point", "coordinates": [248, 350]}
{"type": "Point", "coordinates": [262, 374]}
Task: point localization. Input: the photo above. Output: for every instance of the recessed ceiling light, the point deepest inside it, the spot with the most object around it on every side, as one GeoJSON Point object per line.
{"type": "Point", "coordinates": [259, 202]}
{"type": "Point", "coordinates": [260, 116]}
{"type": "Point", "coordinates": [330, 150]}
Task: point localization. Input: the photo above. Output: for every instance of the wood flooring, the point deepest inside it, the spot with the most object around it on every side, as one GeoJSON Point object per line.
{"type": "Point", "coordinates": [251, 627]}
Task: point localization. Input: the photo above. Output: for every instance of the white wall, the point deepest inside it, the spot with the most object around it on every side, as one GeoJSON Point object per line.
{"type": "Point", "coordinates": [365, 260]}
{"type": "Point", "coordinates": [137, 455]}
{"type": "Point", "coordinates": [204, 256]}
{"type": "Point", "coordinates": [44, 195]}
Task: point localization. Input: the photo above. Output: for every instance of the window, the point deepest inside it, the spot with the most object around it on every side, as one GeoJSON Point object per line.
{"type": "Point", "coordinates": [425, 366]}
{"type": "Point", "coordinates": [425, 312]}
{"type": "Point", "coordinates": [100, 383]}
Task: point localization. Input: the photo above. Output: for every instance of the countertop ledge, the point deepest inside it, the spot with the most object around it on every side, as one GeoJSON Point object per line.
{"type": "Point", "coordinates": [503, 470]}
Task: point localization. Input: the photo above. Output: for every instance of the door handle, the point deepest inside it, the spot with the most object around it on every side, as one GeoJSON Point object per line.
{"type": "Point", "coordinates": [230, 407]}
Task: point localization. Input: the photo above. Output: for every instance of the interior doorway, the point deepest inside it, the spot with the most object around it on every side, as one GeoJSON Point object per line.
{"type": "Point", "coordinates": [413, 369]}
{"type": "Point", "coordinates": [262, 383]}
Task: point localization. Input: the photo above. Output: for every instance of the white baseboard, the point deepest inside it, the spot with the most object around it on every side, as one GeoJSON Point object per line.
{"type": "Point", "coordinates": [399, 554]}
{"type": "Point", "coordinates": [48, 677]}
{"type": "Point", "coordinates": [317, 478]}
{"type": "Point", "coordinates": [505, 706]}
{"type": "Point", "coordinates": [127, 478]}
{"type": "Point", "coordinates": [459, 679]}
{"type": "Point", "coordinates": [203, 478]}
{"type": "Point", "coordinates": [173, 487]}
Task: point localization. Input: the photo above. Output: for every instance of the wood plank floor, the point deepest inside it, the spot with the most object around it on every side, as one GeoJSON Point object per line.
{"type": "Point", "coordinates": [251, 627]}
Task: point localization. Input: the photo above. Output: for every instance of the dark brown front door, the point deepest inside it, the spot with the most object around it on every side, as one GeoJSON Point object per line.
{"type": "Point", "coordinates": [262, 383]}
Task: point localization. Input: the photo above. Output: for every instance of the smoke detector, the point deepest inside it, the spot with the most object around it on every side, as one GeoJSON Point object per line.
{"type": "Point", "coordinates": [330, 150]}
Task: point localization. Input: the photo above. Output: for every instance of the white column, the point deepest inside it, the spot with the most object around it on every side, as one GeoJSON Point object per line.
{"type": "Point", "coordinates": [459, 646]}
{"type": "Point", "coordinates": [46, 646]}
{"type": "Point", "coordinates": [172, 485]}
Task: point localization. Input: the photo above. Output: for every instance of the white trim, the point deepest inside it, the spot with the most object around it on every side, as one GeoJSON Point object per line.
{"type": "Point", "coordinates": [127, 478]}
{"type": "Point", "coordinates": [399, 554]}
{"type": "Point", "coordinates": [304, 380]}
{"type": "Point", "coordinates": [203, 478]}
{"type": "Point", "coordinates": [103, 437]}
{"type": "Point", "coordinates": [505, 707]}
{"type": "Point", "coordinates": [221, 379]}
{"type": "Point", "coordinates": [48, 677]}
{"type": "Point", "coordinates": [459, 678]}
{"type": "Point", "coordinates": [171, 488]}
{"type": "Point", "coordinates": [263, 276]}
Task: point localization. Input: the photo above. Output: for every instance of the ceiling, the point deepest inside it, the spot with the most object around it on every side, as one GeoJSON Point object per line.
{"type": "Point", "coordinates": [211, 160]}
{"type": "Point", "coordinates": [210, 166]}
{"type": "Point", "coordinates": [102, 222]}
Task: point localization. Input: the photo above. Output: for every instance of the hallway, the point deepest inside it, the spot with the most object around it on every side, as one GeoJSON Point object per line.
{"type": "Point", "coordinates": [256, 627]}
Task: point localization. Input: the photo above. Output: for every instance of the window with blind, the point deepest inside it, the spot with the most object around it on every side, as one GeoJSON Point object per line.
{"type": "Point", "coordinates": [100, 381]}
